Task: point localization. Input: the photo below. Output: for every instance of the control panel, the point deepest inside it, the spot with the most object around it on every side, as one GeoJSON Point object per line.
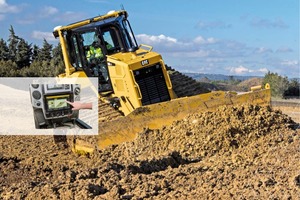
{"type": "Point", "coordinates": [49, 102]}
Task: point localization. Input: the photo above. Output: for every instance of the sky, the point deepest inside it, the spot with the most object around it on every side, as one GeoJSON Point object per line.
{"type": "Point", "coordinates": [231, 37]}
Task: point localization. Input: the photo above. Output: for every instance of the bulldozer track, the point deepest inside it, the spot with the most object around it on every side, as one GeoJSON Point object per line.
{"type": "Point", "coordinates": [184, 85]}
{"type": "Point", "coordinates": [107, 112]}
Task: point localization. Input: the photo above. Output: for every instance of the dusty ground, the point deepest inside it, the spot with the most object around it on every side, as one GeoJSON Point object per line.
{"type": "Point", "coordinates": [245, 152]}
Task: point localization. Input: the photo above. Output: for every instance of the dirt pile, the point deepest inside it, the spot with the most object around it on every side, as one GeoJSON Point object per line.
{"type": "Point", "coordinates": [247, 84]}
{"type": "Point", "coordinates": [207, 133]}
{"type": "Point", "coordinates": [244, 152]}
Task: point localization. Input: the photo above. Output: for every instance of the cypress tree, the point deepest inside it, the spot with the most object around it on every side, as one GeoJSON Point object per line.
{"type": "Point", "coordinates": [57, 61]}
{"type": "Point", "coordinates": [45, 52]}
{"type": "Point", "coordinates": [24, 53]}
{"type": "Point", "coordinates": [35, 53]}
{"type": "Point", "coordinates": [13, 43]}
{"type": "Point", "coordinates": [4, 52]}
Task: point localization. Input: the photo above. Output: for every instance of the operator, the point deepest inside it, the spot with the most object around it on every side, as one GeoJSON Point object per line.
{"type": "Point", "coordinates": [96, 59]}
{"type": "Point", "coordinates": [95, 50]}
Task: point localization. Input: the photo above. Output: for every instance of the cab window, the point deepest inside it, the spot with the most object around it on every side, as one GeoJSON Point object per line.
{"type": "Point", "coordinates": [111, 40]}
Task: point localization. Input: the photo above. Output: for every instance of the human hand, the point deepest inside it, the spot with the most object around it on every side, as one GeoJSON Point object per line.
{"type": "Point", "coordinates": [76, 105]}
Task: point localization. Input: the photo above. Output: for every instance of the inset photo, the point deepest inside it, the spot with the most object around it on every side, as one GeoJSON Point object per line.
{"type": "Point", "coordinates": [57, 106]}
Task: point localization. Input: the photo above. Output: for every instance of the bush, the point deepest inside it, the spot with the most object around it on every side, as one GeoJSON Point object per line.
{"type": "Point", "coordinates": [278, 84]}
{"type": "Point", "coordinates": [293, 89]}
{"type": "Point", "coordinates": [8, 68]}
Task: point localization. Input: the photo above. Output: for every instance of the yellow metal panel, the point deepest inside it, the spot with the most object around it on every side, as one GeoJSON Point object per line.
{"type": "Point", "coordinates": [119, 85]}
{"type": "Point", "coordinates": [68, 67]}
{"type": "Point", "coordinates": [119, 71]}
{"type": "Point", "coordinates": [57, 96]}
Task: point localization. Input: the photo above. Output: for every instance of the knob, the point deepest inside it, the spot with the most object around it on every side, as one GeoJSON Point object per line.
{"type": "Point", "coordinates": [77, 90]}
{"type": "Point", "coordinates": [36, 94]}
{"type": "Point", "coordinates": [35, 85]}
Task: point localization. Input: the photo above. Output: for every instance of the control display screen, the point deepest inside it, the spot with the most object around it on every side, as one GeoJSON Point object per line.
{"type": "Point", "coordinates": [55, 86]}
{"type": "Point", "coordinates": [57, 102]}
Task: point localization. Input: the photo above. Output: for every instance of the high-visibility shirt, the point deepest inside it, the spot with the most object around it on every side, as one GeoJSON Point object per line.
{"type": "Point", "coordinates": [94, 53]}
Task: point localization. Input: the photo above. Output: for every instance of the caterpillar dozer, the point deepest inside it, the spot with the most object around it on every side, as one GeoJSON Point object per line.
{"type": "Point", "coordinates": [132, 79]}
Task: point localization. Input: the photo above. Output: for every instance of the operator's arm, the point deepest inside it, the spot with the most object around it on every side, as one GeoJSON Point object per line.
{"type": "Point", "coordinates": [78, 105]}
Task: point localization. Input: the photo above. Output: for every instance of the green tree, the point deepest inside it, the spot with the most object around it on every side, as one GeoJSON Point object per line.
{"type": "Point", "coordinates": [278, 84]}
{"type": "Point", "coordinates": [32, 71]}
{"type": "Point", "coordinates": [57, 62]}
{"type": "Point", "coordinates": [233, 81]}
{"type": "Point", "coordinates": [293, 89]}
{"type": "Point", "coordinates": [45, 52]}
{"type": "Point", "coordinates": [4, 52]}
{"type": "Point", "coordinates": [13, 41]}
{"type": "Point", "coordinates": [24, 53]}
{"type": "Point", "coordinates": [18, 58]}
{"type": "Point", "coordinates": [8, 68]}
{"type": "Point", "coordinates": [35, 52]}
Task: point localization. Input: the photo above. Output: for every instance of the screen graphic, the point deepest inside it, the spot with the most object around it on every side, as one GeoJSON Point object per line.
{"type": "Point", "coordinates": [57, 102]}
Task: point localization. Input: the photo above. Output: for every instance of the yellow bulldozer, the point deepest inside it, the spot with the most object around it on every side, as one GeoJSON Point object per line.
{"type": "Point", "coordinates": [132, 79]}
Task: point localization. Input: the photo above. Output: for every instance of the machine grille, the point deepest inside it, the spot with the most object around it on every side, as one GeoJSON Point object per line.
{"type": "Point", "coordinates": [152, 84]}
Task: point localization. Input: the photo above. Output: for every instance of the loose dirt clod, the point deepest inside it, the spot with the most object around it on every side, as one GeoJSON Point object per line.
{"type": "Point", "coordinates": [240, 152]}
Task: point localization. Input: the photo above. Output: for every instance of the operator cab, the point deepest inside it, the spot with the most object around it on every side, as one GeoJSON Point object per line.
{"type": "Point", "coordinates": [90, 44]}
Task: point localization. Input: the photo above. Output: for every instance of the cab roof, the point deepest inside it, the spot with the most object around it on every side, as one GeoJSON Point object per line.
{"type": "Point", "coordinates": [109, 17]}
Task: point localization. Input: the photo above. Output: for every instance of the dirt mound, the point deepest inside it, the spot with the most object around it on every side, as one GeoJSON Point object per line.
{"type": "Point", "coordinates": [244, 152]}
{"type": "Point", "coordinates": [205, 134]}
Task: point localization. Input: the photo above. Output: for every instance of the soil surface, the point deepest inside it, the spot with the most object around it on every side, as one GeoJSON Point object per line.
{"type": "Point", "coordinates": [243, 152]}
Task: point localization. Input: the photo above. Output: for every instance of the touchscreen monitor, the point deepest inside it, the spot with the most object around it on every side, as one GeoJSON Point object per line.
{"type": "Point", "coordinates": [57, 102]}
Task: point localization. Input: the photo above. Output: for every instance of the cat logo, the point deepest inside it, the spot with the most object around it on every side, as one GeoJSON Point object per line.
{"type": "Point", "coordinates": [145, 62]}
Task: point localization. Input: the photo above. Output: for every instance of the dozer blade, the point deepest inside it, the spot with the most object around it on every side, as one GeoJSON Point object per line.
{"type": "Point", "coordinates": [161, 114]}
